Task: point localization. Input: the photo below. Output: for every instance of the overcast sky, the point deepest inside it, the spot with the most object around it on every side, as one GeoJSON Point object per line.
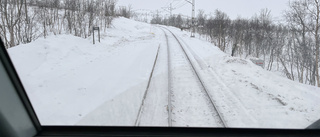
{"type": "Point", "coordinates": [234, 8]}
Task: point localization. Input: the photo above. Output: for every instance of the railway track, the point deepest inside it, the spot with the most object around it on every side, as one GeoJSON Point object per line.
{"type": "Point", "coordinates": [137, 122]}
{"type": "Point", "coordinates": [169, 83]}
{"type": "Point", "coordinates": [218, 117]}
{"type": "Point", "coordinates": [185, 87]}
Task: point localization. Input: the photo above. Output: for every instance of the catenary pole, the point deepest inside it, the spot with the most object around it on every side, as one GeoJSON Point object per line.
{"type": "Point", "coordinates": [193, 3]}
{"type": "Point", "coordinates": [170, 9]}
{"type": "Point", "coordinates": [193, 18]}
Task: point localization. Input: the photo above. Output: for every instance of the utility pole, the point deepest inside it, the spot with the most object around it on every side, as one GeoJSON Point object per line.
{"type": "Point", "coordinates": [171, 9]}
{"type": "Point", "coordinates": [193, 18]}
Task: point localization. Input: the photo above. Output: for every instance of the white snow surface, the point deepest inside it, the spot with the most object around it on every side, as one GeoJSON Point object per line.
{"type": "Point", "coordinates": [70, 81]}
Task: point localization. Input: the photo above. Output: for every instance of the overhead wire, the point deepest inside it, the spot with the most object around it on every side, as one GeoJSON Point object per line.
{"type": "Point", "coordinates": [181, 5]}
{"type": "Point", "coordinates": [168, 3]}
{"type": "Point", "coordinates": [176, 4]}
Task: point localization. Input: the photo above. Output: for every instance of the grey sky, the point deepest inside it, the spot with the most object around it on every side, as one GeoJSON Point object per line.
{"type": "Point", "coordinates": [234, 8]}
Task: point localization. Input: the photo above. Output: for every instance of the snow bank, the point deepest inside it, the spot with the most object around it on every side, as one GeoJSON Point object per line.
{"type": "Point", "coordinates": [67, 77]}
{"type": "Point", "coordinates": [270, 100]}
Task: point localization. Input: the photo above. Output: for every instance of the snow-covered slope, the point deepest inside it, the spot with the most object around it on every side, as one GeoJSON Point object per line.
{"type": "Point", "coordinates": [67, 77]}
{"type": "Point", "coordinates": [270, 100]}
{"type": "Point", "coordinates": [71, 81]}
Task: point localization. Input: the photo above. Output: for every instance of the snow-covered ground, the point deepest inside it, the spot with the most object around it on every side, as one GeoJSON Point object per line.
{"type": "Point", "coordinates": [68, 77]}
{"type": "Point", "coordinates": [269, 100]}
{"type": "Point", "coordinates": [70, 81]}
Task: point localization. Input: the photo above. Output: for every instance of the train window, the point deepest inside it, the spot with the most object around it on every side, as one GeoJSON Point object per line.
{"type": "Point", "coordinates": [172, 63]}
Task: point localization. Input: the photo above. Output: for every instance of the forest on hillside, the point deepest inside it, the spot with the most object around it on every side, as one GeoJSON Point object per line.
{"type": "Point", "coordinates": [23, 21]}
{"type": "Point", "coordinates": [290, 46]}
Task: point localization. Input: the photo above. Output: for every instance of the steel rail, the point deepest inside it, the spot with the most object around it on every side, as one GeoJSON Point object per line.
{"type": "Point", "coordinates": [202, 83]}
{"type": "Point", "coordinates": [169, 84]}
{"type": "Point", "coordinates": [137, 122]}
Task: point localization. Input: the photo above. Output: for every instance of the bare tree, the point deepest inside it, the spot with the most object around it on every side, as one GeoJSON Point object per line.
{"type": "Point", "coordinates": [313, 7]}
{"type": "Point", "coordinates": [217, 27]}
{"type": "Point", "coordinates": [201, 19]}
{"type": "Point", "coordinates": [10, 15]}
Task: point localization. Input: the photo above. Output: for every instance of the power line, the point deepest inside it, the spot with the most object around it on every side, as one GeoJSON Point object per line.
{"type": "Point", "coordinates": [173, 5]}
{"type": "Point", "coordinates": [177, 3]}
{"type": "Point", "coordinates": [168, 2]}
{"type": "Point", "coordinates": [181, 5]}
